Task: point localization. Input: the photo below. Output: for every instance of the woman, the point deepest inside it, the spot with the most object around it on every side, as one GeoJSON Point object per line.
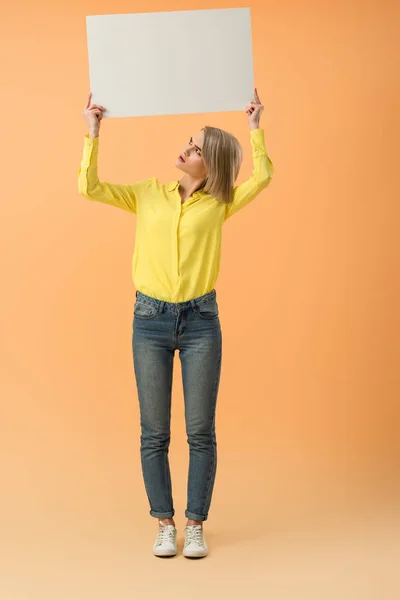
{"type": "Point", "coordinates": [175, 266]}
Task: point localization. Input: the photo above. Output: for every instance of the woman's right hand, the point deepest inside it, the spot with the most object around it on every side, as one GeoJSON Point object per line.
{"type": "Point", "coordinates": [93, 114]}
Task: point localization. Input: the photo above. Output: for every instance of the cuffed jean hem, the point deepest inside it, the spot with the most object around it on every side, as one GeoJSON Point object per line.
{"type": "Point", "coordinates": [195, 517]}
{"type": "Point", "coordinates": [162, 515]}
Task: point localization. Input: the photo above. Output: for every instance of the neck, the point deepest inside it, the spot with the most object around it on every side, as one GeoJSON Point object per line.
{"type": "Point", "coordinates": [188, 185]}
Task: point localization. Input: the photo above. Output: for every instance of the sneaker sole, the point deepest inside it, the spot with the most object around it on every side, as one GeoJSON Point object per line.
{"type": "Point", "coordinates": [165, 552]}
{"type": "Point", "coordinates": [193, 554]}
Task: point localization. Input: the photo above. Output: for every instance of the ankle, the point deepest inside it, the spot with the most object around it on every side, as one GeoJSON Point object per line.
{"type": "Point", "coordinates": [193, 522]}
{"type": "Point", "coordinates": [162, 522]}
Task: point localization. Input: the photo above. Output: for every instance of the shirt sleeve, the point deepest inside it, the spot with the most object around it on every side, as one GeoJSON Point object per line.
{"type": "Point", "coordinates": [123, 196]}
{"type": "Point", "coordinates": [263, 170]}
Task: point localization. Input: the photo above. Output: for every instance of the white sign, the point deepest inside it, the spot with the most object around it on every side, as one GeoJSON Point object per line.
{"type": "Point", "coordinates": [165, 63]}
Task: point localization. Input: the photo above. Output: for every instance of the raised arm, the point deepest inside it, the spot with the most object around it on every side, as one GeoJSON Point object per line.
{"type": "Point", "coordinates": [119, 195]}
{"type": "Point", "coordinates": [263, 169]}
{"type": "Point", "coordinates": [260, 178]}
{"type": "Point", "coordinates": [89, 185]}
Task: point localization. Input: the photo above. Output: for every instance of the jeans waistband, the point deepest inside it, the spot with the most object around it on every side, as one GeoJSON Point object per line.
{"type": "Point", "coordinates": [161, 304]}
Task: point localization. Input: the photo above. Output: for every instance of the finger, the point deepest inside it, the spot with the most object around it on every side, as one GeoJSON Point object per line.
{"type": "Point", "coordinates": [88, 100]}
{"type": "Point", "coordinates": [95, 111]}
{"type": "Point", "coordinates": [256, 96]}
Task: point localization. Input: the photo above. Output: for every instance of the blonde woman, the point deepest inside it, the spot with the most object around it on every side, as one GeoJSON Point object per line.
{"type": "Point", "coordinates": [175, 266]}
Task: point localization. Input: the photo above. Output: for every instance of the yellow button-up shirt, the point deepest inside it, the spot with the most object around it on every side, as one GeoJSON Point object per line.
{"type": "Point", "coordinates": [178, 245]}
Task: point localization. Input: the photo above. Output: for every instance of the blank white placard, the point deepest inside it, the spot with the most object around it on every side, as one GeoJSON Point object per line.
{"type": "Point", "coordinates": [164, 63]}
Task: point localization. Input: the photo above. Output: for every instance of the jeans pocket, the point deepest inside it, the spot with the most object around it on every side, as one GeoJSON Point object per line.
{"type": "Point", "coordinates": [208, 310]}
{"type": "Point", "coordinates": [145, 311]}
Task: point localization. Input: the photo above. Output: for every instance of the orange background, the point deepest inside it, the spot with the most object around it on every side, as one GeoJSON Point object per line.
{"type": "Point", "coordinates": [308, 408]}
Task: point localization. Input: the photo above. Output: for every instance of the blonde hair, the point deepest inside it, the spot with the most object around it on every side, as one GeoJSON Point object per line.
{"type": "Point", "coordinates": [223, 155]}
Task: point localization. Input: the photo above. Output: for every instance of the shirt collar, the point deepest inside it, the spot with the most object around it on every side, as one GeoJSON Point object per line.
{"type": "Point", "coordinates": [173, 185]}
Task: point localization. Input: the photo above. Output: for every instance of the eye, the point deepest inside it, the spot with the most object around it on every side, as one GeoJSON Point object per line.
{"type": "Point", "coordinates": [197, 150]}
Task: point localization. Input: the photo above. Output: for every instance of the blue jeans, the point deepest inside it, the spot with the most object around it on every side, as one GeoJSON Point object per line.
{"type": "Point", "coordinates": [193, 328]}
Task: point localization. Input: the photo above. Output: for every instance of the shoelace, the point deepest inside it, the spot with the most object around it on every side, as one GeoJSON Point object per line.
{"type": "Point", "coordinates": [166, 533]}
{"type": "Point", "coordinates": [194, 533]}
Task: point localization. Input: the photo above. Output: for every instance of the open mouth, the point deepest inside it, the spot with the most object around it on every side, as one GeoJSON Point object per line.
{"type": "Point", "coordinates": [181, 159]}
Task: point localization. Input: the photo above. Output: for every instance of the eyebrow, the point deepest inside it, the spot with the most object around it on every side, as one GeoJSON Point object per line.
{"type": "Point", "coordinates": [195, 144]}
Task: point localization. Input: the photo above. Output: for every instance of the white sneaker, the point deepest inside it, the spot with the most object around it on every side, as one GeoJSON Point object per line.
{"type": "Point", "coordinates": [165, 544]}
{"type": "Point", "coordinates": [195, 544]}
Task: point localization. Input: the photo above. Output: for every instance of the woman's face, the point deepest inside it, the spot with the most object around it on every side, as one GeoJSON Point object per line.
{"type": "Point", "coordinates": [193, 157]}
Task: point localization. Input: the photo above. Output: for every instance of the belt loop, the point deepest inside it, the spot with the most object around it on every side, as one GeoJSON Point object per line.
{"type": "Point", "coordinates": [137, 293]}
{"type": "Point", "coordinates": [193, 305]}
{"type": "Point", "coordinates": [161, 306]}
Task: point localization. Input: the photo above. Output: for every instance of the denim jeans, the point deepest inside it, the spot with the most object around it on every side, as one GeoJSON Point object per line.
{"type": "Point", "coordinates": [193, 328]}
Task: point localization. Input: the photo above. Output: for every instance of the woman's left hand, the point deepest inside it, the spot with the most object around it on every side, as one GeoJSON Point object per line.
{"type": "Point", "coordinates": [254, 111]}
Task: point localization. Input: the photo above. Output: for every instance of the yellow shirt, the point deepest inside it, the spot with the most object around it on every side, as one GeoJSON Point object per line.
{"type": "Point", "coordinates": [178, 246]}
